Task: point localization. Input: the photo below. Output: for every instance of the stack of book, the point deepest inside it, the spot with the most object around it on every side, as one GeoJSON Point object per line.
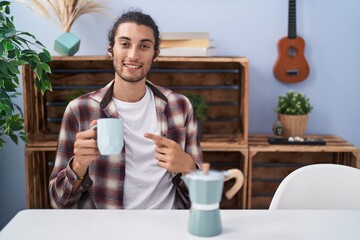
{"type": "Point", "coordinates": [186, 44]}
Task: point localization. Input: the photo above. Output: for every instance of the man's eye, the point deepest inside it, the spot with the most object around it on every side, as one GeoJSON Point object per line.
{"type": "Point", "coordinates": [145, 46]}
{"type": "Point", "coordinates": [124, 44]}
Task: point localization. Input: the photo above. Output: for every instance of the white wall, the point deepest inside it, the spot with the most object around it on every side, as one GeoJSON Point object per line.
{"type": "Point", "coordinates": [251, 28]}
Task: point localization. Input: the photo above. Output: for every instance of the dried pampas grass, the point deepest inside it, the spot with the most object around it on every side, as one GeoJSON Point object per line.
{"type": "Point", "coordinates": [66, 11]}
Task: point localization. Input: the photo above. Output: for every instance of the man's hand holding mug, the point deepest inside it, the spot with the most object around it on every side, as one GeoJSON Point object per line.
{"type": "Point", "coordinates": [105, 137]}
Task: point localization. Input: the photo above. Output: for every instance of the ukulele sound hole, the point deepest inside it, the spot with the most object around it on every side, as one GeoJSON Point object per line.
{"type": "Point", "coordinates": [291, 52]}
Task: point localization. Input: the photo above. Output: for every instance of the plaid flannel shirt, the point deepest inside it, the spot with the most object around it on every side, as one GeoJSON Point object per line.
{"type": "Point", "coordinates": [103, 184]}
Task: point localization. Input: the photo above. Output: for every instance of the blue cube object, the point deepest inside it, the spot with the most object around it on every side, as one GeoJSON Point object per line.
{"type": "Point", "coordinates": [67, 44]}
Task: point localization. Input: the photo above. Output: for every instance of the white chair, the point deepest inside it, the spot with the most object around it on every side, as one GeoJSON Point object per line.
{"type": "Point", "coordinates": [319, 186]}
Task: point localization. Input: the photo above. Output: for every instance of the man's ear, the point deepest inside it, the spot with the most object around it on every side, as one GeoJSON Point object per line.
{"type": "Point", "coordinates": [110, 52]}
{"type": "Point", "coordinates": [156, 55]}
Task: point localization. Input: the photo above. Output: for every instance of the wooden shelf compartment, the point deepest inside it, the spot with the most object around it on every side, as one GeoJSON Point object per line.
{"type": "Point", "coordinates": [223, 81]}
{"type": "Point", "coordinates": [38, 166]}
{"type": "Point", "coordinates": [225, 160]}
{"type": "Point", "coordinates": [270, 164]}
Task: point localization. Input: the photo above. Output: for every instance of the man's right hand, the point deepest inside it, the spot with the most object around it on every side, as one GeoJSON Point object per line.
{"type": "Point", "coordinates": [85, 150]}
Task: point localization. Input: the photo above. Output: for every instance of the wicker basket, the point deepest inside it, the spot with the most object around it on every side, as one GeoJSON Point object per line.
{"type": "Point", "coordinates": [293, 125]}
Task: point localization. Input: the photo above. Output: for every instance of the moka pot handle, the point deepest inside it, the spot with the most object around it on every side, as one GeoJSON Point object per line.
{"type": "Point", "coordinates": [239, 180]}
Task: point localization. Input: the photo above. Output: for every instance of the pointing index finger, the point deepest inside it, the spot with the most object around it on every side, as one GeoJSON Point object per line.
{"type": "Point", "coordinates": [156, 138]}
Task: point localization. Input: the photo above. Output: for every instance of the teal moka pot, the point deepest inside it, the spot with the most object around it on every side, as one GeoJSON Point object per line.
{"type": "Point", "coordinates": [205, 189]}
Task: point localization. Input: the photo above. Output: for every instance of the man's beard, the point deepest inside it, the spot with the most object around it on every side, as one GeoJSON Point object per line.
{"type": "Point", "coordinates": [131, 79]}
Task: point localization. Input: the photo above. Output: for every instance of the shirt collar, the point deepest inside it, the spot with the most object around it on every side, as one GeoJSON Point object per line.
{"type": "Point", "coordinates": [104, 95]}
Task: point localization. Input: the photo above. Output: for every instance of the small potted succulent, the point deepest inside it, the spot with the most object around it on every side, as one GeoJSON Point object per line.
{"type": "Point", "coordinates": [293, 110]}
{"type": "Point", "coordinates": [200, 107]}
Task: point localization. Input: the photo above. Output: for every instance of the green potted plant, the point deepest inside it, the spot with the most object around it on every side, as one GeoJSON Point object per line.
{"type": "Point", "coordinates": [201, 108]}
{"type": "Point", "coordinates": [293, 110]}
{"type": "Point", "coordinates": [16, 49]}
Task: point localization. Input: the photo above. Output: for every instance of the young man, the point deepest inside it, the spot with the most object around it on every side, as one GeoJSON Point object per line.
{"type": "Point", "coordinates": [160, 133]}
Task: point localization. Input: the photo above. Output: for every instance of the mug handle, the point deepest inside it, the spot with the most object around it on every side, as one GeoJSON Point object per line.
{"type": "Point", "coordinates": [239, 177]}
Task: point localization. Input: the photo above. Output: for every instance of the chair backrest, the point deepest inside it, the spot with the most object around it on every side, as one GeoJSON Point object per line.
{"type": "Point", "coordinates": [319, 186]}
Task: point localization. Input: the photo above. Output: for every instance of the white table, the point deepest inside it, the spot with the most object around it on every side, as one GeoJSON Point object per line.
{"type": "Point", "coordinates": [172, 224]}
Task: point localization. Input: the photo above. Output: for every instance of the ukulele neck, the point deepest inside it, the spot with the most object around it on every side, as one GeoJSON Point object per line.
{"type": "Point", "coordinates": [292, 19]}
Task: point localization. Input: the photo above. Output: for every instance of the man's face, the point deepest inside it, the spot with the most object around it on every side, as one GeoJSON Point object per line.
{"type": "Point", "coordinates": [133, 51]}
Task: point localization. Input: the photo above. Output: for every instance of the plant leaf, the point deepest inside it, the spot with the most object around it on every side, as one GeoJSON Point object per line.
{"type": "Point", "coordinates": [39, 43]}
{"type": "Point", "coordinates": [2, 143]}
{"type": "Point", "coordinates": [3, 67]}
{"type": "Point", "coordinates": [6, 109]}
{"type": "Point", "coordinates": [3, 94]}
{"type": "Point", "coordinates": [13, 69]}
{"type": "Point", "coordinates": [4, 3]}
{"type": "Point", "coordinates": [14, 138]}
{"type": "Point", "coordinates": [9, 33]}
{"type": "Point", "coordinates": [47, 54]}
{"type": "Point", "coordinates": [7, 9]}
{"type": "Point", "coordinates": [28, 34]}
{"type": "Point", "coordinates": [45, 67]}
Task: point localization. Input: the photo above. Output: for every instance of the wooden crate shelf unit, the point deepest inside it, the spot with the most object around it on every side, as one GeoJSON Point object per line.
{"type": "Point", "coordinates": [223, 81]}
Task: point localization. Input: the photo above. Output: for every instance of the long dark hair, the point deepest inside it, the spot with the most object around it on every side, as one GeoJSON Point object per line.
{"type": "Point", "coordinates": [135, 16]}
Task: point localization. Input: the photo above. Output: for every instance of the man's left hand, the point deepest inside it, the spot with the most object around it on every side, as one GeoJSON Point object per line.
{"type": "Point", "coordinates": [170, 155]}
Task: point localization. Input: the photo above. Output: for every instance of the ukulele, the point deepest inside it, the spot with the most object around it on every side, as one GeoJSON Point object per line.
{"type": "Point", "coordinates": [291, 65]}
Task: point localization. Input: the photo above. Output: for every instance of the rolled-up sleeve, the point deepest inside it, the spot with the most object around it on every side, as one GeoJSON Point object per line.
{"type": "Point", "coordinates": [63, 178]}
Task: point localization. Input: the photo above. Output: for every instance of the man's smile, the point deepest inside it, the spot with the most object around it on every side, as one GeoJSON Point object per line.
{"type": "Point", "coordinates": [132, 66]}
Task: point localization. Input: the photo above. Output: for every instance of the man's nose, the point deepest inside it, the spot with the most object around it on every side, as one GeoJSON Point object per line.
{"type": "Point", "coordinates": [133, 53]}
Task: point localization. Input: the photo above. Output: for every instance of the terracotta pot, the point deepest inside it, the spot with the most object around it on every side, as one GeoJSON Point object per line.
{"type": "Point", "coordinates": [293, 125]}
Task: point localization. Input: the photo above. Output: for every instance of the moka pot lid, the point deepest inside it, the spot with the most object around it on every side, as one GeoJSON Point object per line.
{"type": "Point", "coordinates": [211, 175]}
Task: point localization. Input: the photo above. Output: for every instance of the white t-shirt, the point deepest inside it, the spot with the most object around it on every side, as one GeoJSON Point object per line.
{"type": "Point", "coordinates": [146, 185]}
